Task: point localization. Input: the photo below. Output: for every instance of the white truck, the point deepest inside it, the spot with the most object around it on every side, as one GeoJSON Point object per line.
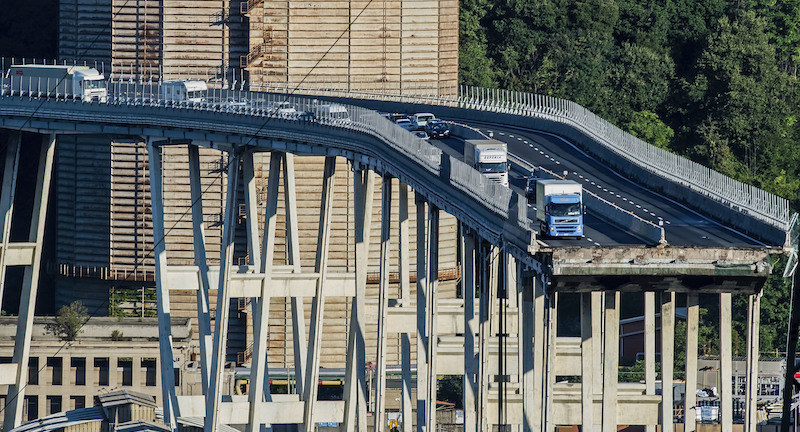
{"type": "Point", "coordinates": [489, 157]}
{"type": "Point", "coordinates": [78, 82]}
{"type": "Point", "coordinates": [559, 208]}
{"type": "Point", "coordinates": [335, 112]}
{"type": "Point", "coordinates": [184, 91]}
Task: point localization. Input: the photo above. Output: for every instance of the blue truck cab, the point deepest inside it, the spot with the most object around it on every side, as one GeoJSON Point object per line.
{"type": "Point", "coordinates": [559, 208]}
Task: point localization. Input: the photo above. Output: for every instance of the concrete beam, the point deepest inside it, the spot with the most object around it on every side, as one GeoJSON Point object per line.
{"type": "Point", "coordinates": [687, 264]}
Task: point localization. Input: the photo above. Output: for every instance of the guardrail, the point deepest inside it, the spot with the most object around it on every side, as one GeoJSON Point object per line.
{"type": "Point", "coordinates": [496, 198]}
{"type": "Point", "coordinates": [644, 229]}
{"type": "Point", "coordinates": [740, 197]}
{"type": "Point", "coordinates": [737, 196]}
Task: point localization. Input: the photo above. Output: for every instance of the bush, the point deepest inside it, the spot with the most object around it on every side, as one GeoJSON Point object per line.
{"type": "Point", "coordinates": [69, 321]}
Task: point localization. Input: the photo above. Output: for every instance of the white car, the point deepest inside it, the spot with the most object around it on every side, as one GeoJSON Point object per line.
{"type": "Point", "coordinates": [421, 119]}
{"type": "Point", "coordinates": [284, 109]}
{"type": "Point", "coordinates": [406, 124]}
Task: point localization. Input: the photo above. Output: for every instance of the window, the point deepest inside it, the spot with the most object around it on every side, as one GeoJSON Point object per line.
{"type": "Point", "coordinates": [53, 404]}
{"type": "Point", "coordinates": [33, 371]}
{"type": "Point", "coordinates": [101, 364]}
{"type": "Point", "coordinates": [79, 364]}
{"type": "Point", "coordinates": [31, 407]}
{"type": "Point", "coordinates": [149, 365]}
{"type": "Point", "coordinates": [126, 364]}
{"type": "Point", "coordinates": [55, 364]}
{"type": "Point", "coordinates": [78, 402]}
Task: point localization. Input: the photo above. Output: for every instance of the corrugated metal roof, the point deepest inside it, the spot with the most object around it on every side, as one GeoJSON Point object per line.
{"type": "Point", "coordinates": [62, 420]}
{"type": "Point", "coordinates": [142, 426]}
{"type": "Point", "coordinates": [122, 397]}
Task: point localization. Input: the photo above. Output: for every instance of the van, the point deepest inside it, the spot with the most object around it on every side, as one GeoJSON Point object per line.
{"type": "Point", "coordinates": [421, 119]}
{"type": "Point", "coordinates": [184, 91]}
{"type": "Point", "coordinates": [334, 112]}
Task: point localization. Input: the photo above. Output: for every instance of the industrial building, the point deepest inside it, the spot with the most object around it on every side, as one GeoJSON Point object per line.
{"type": "Point", "coordinates": [103, 227]}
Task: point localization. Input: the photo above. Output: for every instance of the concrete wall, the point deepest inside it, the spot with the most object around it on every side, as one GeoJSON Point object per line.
{"type": "Point", "coordinates": [720, 211]}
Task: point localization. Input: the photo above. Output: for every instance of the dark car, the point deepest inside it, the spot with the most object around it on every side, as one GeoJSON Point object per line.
{"type": "Point", "coordinates": [530, 188]}
{"type": "Point", "coordinates": [437, 129]}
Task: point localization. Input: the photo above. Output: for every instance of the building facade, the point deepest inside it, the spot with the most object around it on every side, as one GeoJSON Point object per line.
{"type": "Point", "coordinates": [108, 355]}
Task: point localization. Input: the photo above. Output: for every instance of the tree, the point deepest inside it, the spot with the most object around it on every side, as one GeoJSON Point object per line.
{"type": "Point", "coordinates": [475, 67]}
{"type": "Point", "coordinates": [69, 321]}
{"type": "Point", "coordinates": [639, 79]}
{"type": "Point", "coordinates": [742, 88]}
{"type": "Point", "coordinates": [649, 128]}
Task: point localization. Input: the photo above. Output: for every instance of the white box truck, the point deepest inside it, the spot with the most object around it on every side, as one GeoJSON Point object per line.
{"type": "Point", "coordinates": [489, 157]}
{"type": "Point", "coordinates": [559, 208]}
{"type": "Point", "coordinates": [335, 112]}
{"type": "Point", "coordinates": [78, 82]}
{"type": "Point", "coordinates": [184, 91]}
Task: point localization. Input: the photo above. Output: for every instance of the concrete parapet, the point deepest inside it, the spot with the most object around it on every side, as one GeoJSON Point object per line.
{"type": "Point", "coordinates": [708, 205]}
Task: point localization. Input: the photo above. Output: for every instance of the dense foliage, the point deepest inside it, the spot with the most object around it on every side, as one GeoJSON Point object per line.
{"type": "Point", "coordinates": [712, 80]}
{"type": "Point", "coordinates": [709, 79]}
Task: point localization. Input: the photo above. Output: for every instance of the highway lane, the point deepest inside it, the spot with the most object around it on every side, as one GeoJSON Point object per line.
{"type": "Point", "coordinates": [597, 232]}
{"type": "Point", "coordinates": [683, 226]}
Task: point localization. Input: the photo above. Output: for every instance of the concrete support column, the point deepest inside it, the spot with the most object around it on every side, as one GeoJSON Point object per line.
{"type": "Point", "coordinates": [293, 244]}
{"type": "Point", "coordinates": [169, 398]}
{"type": "Point", "coordinates": [650, 349]}
{"type": "Point", "coordinates": [667, 358]}
{"type": "Point", "coordinates": [404, 264]}
{"type": "Point", "coordinates": [550, 375]}
{"type": "Point", "coordinates": [422, 315]}
{"type": "Point", "coordinates": [215, 389]}
{"type": "Point", "coordinates": [539, 349]}
{"type": "Point", "coordinates": [526, 295]}
{"type": "Point", "coordinates": [383, 305]}
{"type": "Point", "coordinates": [598, 299]}
{"type": "Point", "coordinates": [692, 327]}
{"type": "Point", "coordinates": [432, 319]}
{"type": "Point", "coordinates": [198, 230]}
{"type": "Point", "coordinates": [587, 365]}
{"type": "Point", "coordinates": [470, 327]}
{"type": "Point", "coordinates": [488, 298]}
{"type": "Point", "coordinates": [751, 393]}
{"type": "Point", "coordinates": [725, 363]}
{"type": "Point", "coordinates": [7, 199]}
{"type": "Point", "coordinates": [318, 306]}
{"type": "Point", "coordinates": [259, 382]}
{"type": "Point", "coordinates": [30, 284]}
{"type": "Point", "coordinates": [355, 390]}
{"type": "Point", "coordinates": [611, 361]}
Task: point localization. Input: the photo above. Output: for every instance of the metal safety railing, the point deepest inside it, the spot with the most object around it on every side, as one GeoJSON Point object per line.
{"type": "Point", "coordinates": [745, 198]}
{"type": "Point", "coordinates": [258, 100]}
{"type": "Point", "coordinates": [231, 97]}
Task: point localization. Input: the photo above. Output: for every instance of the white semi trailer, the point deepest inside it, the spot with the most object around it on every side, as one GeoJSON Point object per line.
{"type": "Point", "coordinates": [489, 157]}
{"type": "Point", "coordinates": [78, 82]}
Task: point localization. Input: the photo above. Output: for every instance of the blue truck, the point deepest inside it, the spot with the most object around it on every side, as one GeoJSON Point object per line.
{"type": "Point", "coordinates": [559, 207]}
